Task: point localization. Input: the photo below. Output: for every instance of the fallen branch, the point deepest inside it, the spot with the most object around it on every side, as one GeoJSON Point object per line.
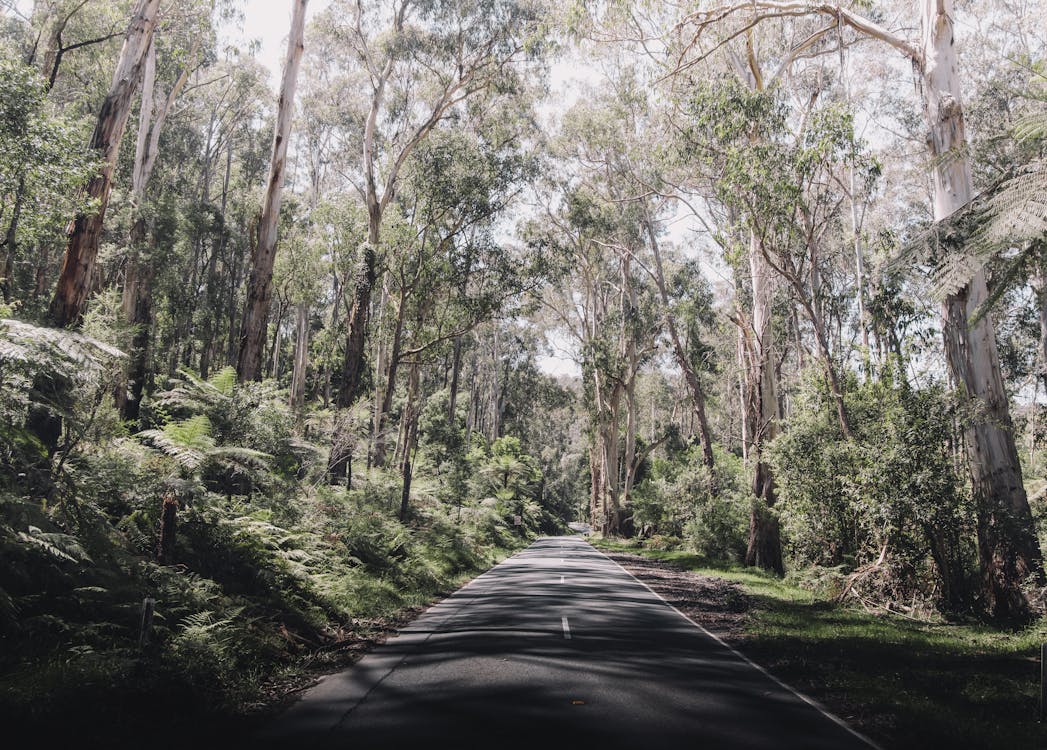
{"type": "Point", "coordinates": [863, 572]}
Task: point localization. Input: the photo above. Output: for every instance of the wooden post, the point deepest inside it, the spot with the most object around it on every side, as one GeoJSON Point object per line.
{"type": "Point", "coordinates": [1043, 680]}
{"type": "Point", "coordinates": [146, 624]}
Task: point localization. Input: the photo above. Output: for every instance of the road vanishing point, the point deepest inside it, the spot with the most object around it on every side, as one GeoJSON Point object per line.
{"type": "Point", "coordinates": [556, 647]}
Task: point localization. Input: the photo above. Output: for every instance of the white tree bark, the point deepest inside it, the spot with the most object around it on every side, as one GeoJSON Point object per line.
{"type": "Point", "coordinates": [764, 547]}
{"type": "Point", "coordinates": [259, 290]}
{"type": "Point", "coordinates": [1008, 546]}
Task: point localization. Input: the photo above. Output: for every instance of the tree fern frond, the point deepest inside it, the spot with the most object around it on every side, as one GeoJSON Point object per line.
{"type": "Point", "coordinates": [187, 441]}
{"type": "Point", "coordinates": [194, 432]}
{"type": "Point", "coordinates": [59, 546]}
{"type": "Point", "coordinates": [1016, 212]}
{"type": "Point", "coordinates": [1012, 214]}
{"type": "Point", "coordinates": [224, 381]}
{"type": "Point", "coordinates": [54, 350]}
{"type": "Point", "coordinates": [240, 460]}
{"type": "Point", "coordinates": [1031, 127]}
{"type": "Point", "coordinates": [1016, 269]}
{"type": "Point", "coordinates": [192, 394]}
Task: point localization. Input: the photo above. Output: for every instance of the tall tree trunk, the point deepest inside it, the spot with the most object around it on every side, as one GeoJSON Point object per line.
{"type": "Point", "coordinates": [410, 437]}
{"type": "Point", "coordinates": [694, 384]}
{"type": "Point", "coordinates": [1041, 302]}
{"type": "Point", "coordinates": [10, 243]}
{"type": "Point", "coordinates": [1008, 546]}
{"type": "Point", "coordinates": [764, 547]}
{"type": "Point", "coordinates": [336, 308]}
{"type": "Point", "coordinates": [456, 369]}
{"type": "Point", "coordinates": [596, 484]}
{"type": "Point", "coordinates": [274, 364]}
{"type": "Point", "coordinates": [259, 287]}
{"type": "Point", "coordinates": [301, 356]}
{"type": "Point", "coordinates": [74, 281]}
{"type": "Point", "coordinates": [356, 337]}
{"type": "Point", "coordinates": [386, 402]}
{"type": "Point", "coordinates": [138, 371]}
{"type": "Point", "coordinates": [353, 363]}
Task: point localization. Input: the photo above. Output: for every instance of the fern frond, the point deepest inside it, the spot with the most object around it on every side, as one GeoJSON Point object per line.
{"type": "Point", "coordinates": [66, 353]}
{"type": "Point", "coordinates": [224, 381]}
{"type": "Point", "coordinates": [1032, 127]}
{"type": "Point", "coordinates": [240, 460]}
{"type": "Point", "coordinates": [187, 441]}
{"type": "Point", "coordinates": [193, 394]}
{"type": "Point", "coordinates": [59, 546]}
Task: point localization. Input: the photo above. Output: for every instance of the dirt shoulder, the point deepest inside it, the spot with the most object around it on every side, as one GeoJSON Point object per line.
{"type": "Point", "coordinates": [716, 604]}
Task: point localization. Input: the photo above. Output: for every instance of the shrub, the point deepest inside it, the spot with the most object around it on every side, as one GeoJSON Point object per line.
{"type": "Point", "coordinates": [891, 492]}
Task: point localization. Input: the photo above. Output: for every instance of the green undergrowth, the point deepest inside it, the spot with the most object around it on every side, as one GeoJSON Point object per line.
{"type": "Point", "coordinates": [261, 598]}
{"type": "Point", "coordinates": [905, 683]}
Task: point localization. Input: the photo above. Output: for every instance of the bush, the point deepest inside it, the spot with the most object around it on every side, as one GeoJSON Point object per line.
{"type": "Point", "coordinates": [679, 499]}
{"type": "Point", "coordinates": [894, 487]}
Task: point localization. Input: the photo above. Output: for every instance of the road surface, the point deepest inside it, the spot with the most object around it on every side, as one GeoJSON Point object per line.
{"type": "Point", "coordinates": [557, 647]}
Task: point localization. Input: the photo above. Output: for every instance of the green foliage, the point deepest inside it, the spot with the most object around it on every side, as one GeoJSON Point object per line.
{"type": "Point", "coordinates": [43, 164]}
{"type": "Point", "coordinates": [40, 369]}
{"type": "Point", "coordinates": [894, 487]}
{"type": "Point", "coordinates": [680, 500]}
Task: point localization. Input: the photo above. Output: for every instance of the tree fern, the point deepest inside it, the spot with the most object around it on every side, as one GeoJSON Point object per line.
{"type": "Point", "coordinates": [187, 441]}
{"type": "Point", "coordinates": [59, 546]}
{"type": "Point", "coordinates": [192, 394]}
{"type": "Point", "coordinates": [190, 443]}
{"type": "Point", "coordinates": [1011, 215]}
{"type": "Point", "coordinates": [52, 349]}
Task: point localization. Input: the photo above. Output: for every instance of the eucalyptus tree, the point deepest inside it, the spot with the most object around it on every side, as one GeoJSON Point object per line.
{"type": "Point", "coordinates": [74, 281]}
{"type": "Point", "coordinates": [183, 43]}
{"type": "Point", "coordinates": [419, 61]}
{"type": "Point", "coordinates": [790, 188]}
{"type": "Point", "coordinates": [449, 271]}
{"type": "Point", "coordinates": [1008, 547]}
{"type": "Point", "coordinates": [614, 139]}
{"type": "Point", "coordinates": [64, 27]}
{"type": "Point", "coordinates": [607, 309]}
{"type": "Point", "coordinates": [43, 161]}
{"type": "Point", "coordinates": [256, 311]}
{"type": "Point", "coordinates": [200, 211]}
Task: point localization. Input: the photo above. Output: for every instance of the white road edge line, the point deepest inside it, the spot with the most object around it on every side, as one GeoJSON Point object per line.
{"type": "Point", "coordinates": [805, 698]}
{"type": "Point", "coordinates": [566, 628]}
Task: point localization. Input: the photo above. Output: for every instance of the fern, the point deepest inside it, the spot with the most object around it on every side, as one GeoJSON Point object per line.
{"type": "Point", "coordinates": [224, 381]}
{"type": "Point", "coordinates": [59, 546]}
{"type": "Point", "coordinates": [187, 441]}
{"type": "Point", "coordinates": [193, 394]}
{"type": "Point", "coordinates": [1010, 215]}
{"type": "Point", "coordinates": [53, 350]}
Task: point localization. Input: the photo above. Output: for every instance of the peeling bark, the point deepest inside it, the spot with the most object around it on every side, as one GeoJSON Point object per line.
{"type": "Point", "coordinates": [74, 281]}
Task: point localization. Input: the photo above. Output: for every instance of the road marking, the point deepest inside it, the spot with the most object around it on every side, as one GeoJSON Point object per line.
{"type": "Point", "coordinates": [566, 628]}
{"type": "Point", "coordinates": [561, 579]}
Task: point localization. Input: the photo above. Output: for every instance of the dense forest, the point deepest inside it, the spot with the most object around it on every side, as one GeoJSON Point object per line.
{"type": "Point", "coordinates": [282, 359]}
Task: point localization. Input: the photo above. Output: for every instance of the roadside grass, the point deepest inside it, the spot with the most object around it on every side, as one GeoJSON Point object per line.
{"type": "Point", "coordinates": [904, 683]}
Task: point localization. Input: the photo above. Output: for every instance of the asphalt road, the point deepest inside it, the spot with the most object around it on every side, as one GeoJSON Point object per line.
{"type": "Point", "coordinates": [557, 647]}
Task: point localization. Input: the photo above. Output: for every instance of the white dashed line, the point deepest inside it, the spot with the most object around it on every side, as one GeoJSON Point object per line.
{"type": "Point", "coordinates": [566, 628]}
